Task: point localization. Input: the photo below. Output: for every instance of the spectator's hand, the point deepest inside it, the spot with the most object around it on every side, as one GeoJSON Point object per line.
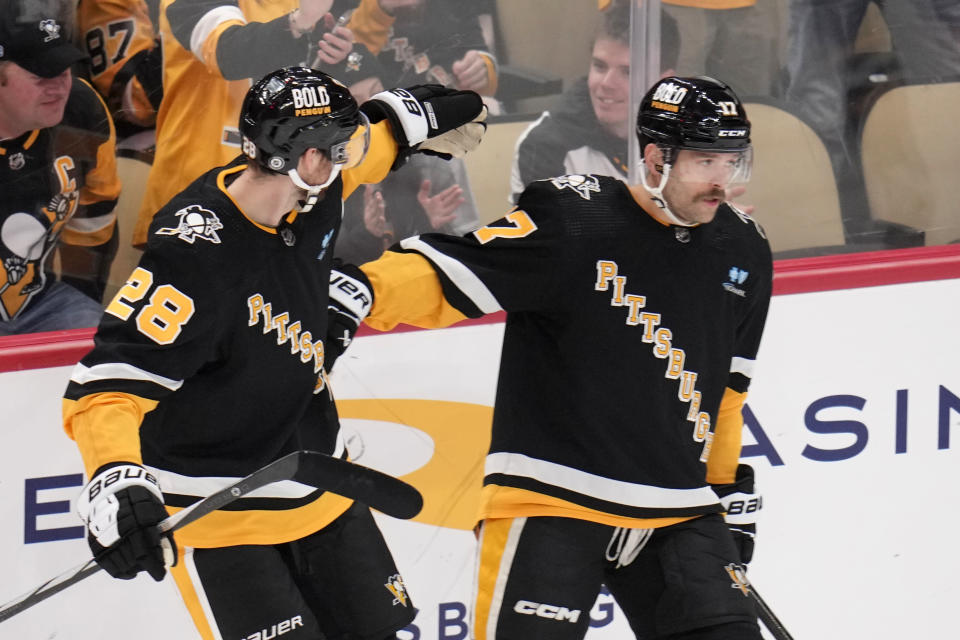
{"type": "Point", "coordinates": [471, 72]}
{"type": "Point", "coordinates": [441, 208]}
{"type": "Point", "coordinates": [736, 192]}
{"type": "Point", "coordinates": [305, 18]}
{"type": "Point", "coordinates": [389, 6]}
{"type": "Point", "coordinates": [334, 46]}
{"type": "Point", "coordinates": [374, 211]}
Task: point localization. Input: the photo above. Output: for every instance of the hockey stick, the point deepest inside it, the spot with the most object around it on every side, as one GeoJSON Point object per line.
{"type": "Point", "coordinates": [363, 484]}
{"type": "Point", "coordinates": [738, 574]}
{"type": "Point", "coordinates": [770, 621]}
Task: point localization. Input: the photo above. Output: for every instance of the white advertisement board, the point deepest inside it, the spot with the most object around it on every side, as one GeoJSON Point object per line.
{"type": "Point", "coordinates": [852, 424]}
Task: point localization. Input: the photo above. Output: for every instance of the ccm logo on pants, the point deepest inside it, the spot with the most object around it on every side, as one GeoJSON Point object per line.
{"type": "Point", "coordinates": [550, 611]}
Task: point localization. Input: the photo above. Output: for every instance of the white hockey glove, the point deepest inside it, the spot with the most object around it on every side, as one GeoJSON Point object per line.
{"type": "Point", "coordinates": [742, 505]}
{"type": "Point", "coordinates": [121, 507]}
{"type": "Point", "coordinates": [350, 300]}
{"type": "Point", "coordinates": [431, 119]}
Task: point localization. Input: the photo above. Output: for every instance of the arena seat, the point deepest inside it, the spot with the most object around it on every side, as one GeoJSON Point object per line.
{"type": "Point", "coordinates": [793, 188]}
{"type": "Point", "coordinates": [488, 167]}
{"type": "Point", "coordinates": [910, 159]}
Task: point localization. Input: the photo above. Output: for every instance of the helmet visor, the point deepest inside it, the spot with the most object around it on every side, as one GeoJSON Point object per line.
{"type": "Point", "coordinates": [350, 153]}
{"type": "Point", "coordinates": [713, 167]}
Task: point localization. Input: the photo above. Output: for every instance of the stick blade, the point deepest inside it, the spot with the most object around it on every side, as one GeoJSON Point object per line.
{"type": "Point", "coordinates": [373, 488]}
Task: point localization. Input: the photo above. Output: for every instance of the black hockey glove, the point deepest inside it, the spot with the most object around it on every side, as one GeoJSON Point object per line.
{"type": "Point", "coordinates": [431, 119]}
{"type": "Point", "coordinates": [121, 506]}
{"type": "Point", "coordinates": [350, 300]}
{"type": "Point", "coordinates": [741, 505]}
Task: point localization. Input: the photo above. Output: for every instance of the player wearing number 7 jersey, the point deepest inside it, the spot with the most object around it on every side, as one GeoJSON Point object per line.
{"type": "Point", "coordinates": [633, 318]}
{"type": "Point", "coordinates": [212, 361]}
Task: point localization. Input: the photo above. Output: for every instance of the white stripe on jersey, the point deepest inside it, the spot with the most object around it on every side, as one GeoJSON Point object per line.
{"type": "Point", "coordinates": [466, 280]}
{"type": "Point", "coordinates": [618, 491]}
{"type": "Point", "coordinates": [203, 486]}
{"type": "Point", "coordinates": [120, 371]}
{"type": "Point", "coordinates": [210, 21]}
{"type": "Point", "coordinates": [191, 567]}
{"type": "Point", "coordinates": [742, 366]}
{"type": "Point", "coordinates": [90, 225]}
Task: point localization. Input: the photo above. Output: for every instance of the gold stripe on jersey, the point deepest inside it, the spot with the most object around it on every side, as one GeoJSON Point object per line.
{"type": "Point", "coordinates": [376, 164]}
{"type": "Point", "coordinates": [495, 539]}
{"type": "Point", "coordinates": [408, 291]}
{"type": "Point", "coordinates": [727, 439]}
{"type": "Point", "coordinates": [106, 427]}
{"type": "Point", "coordinates": [26, 145]}
{"type": "Point", "coordinates": [231, 528]}
{"type": "Point", "coordinates": [510, 502]}
{"type": "Point", "coordinates": [184, 573]}
{"type": "Point", "coordinates": [208, 51]}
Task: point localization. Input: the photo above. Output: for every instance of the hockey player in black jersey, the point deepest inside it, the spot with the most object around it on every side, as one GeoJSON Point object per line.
{"type": "Point", "coordinates": [212, 361]}
{"type": "Point", "coordinates": [634, 315]}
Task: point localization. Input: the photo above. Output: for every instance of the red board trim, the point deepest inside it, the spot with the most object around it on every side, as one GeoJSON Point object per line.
{"type": "Point", "coordinates": [799, 275]}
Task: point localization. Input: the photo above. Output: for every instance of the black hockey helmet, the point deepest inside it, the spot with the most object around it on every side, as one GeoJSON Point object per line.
{"type": "Point", "coordinates": [294, 109]}
{"type": "Point", "coordinates": [693, 113]}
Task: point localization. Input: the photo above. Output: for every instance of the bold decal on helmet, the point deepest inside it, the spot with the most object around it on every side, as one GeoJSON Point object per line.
{"type": "Point", "coordinates": [670, 93]}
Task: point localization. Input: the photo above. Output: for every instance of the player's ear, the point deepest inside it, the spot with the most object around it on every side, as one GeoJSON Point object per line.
{"type": "Point", "coordinates": [653, 158]}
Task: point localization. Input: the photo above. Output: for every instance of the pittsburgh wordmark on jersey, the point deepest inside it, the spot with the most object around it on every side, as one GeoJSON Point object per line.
{"type": "Point", "coordinates": [301, 342]}
{"type": "Point", "coordinates": [663, 348]}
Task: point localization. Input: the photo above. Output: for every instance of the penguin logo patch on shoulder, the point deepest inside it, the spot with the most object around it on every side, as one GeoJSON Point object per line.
{"type": "Point", "coordinates": [195, 222]}
{"type": "Point", "coordinates": [583, 185]}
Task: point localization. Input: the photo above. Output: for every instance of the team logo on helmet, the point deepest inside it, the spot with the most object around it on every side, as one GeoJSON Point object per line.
{"type": "Point", "coordinates": [583, 185]}
{"type": "Point", "coordinates": [195, 222]}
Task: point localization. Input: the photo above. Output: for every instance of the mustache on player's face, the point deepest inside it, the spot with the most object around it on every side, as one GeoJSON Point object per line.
{"type": "Point", "coordinates": [711, 194]}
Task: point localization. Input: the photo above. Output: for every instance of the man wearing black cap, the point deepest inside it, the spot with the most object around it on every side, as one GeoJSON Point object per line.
{"type": "Point", "coordinates": [58, 176]}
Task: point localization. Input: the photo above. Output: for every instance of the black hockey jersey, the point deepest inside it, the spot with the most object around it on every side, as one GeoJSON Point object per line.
{"type": "Point", "coordinates": [627, 352]}
{"type": "Point", "coordinates": [55, 183]}
{"type": "Point", "coordinates": [209, 362]}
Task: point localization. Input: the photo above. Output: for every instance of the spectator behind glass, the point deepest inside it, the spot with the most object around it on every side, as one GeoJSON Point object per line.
{"type": "Point", "coordinates": [417, 41]}
{"type": "Point", "coordinates": [123, 45]}
{"type": "Point", "coordinates": [212, 48]}
{"type": "Point", "coordinates": [587, 132]}
{"type": "Point", "coordinates": [737, 40]}
{"type": "Point", "coordinates": [430, 41]}
{"type": "Point", "coordinates": [57, 176]}
{"type": "Point", "coordinates": [821, 38]}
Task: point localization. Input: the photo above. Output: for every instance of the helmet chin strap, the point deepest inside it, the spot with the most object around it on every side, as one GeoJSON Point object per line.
{"type": "Point", "coordinates": [657, 194]}
{"type": "Point", "coordinates": [313, 190]}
